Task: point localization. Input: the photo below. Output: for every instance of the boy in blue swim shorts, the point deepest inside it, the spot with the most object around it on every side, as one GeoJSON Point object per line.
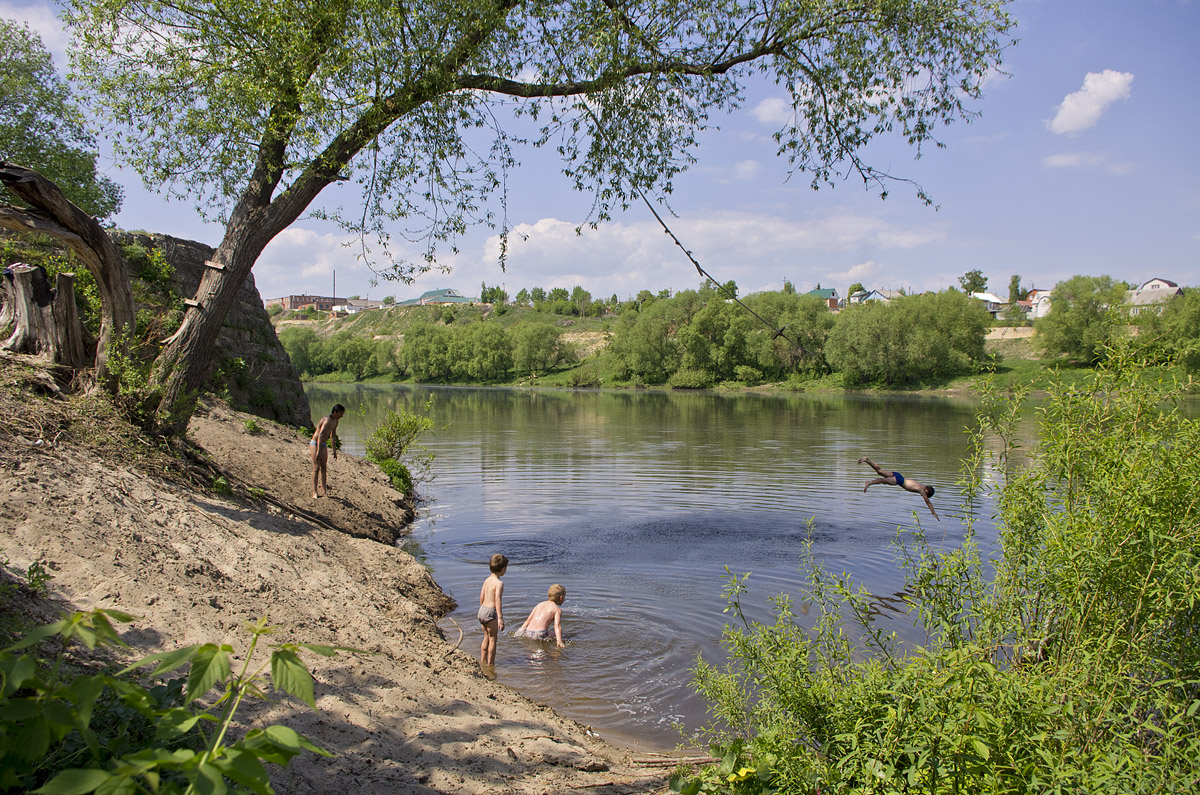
{"type": "Point", "coordinates": [893, 478]}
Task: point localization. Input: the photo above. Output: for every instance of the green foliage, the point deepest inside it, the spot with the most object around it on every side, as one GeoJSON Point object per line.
{"type": "Point", "coordinates": [38, 577]}
{"type": "Point", "coordinates": [401, 478]}
{"type": "Point", "coordinates": [134, 396]}
{"type": "Point", "coordinates": [220, 485]}
{"type": "Point", "coordinates": [1086, 315]}
{"type": "Point", "coordinates": [41, 126]}
{"type": "Point", "coordinates": [149, 265]}
{"type": "Point", "coordinates": [1067, 662]}
{"type": "Point", "coordinates": [251, 427]}
{"type": "Point", "coordinates": [585, 377]}
{"type": "Point", "coordinates": [536, 348]}
{"type": "Point", "coordinates": [735, 775]}
{"type": "Point", "coordinates": [687, 378]}
{"type": "Point", "coordinates": [395, 447]}
{"type": "Point", "coordinates": [909, 339]}
{"type": "Point", "coordinates": [69, 733]}
{"type": "Point", "coordinates": [395, 86]}
{"type": "Point", "coordinates": [973, 281]}
{"type": "Point", "coordinates": [1173, 334]}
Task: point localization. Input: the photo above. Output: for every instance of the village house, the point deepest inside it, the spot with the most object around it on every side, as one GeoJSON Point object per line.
{"type": "Point", "coordinates": [828, 295]}
{"type": "Point", "coordinates": [993, 303]}
{"type": "Point", "coordinates": [321, 303]}
{"type": "Point", "coordinates": [436, 297]}
{"type": "Point", "coordinates": [1152, 296]}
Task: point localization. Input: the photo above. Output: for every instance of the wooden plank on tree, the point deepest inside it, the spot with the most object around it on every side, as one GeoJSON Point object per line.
{"type": "Point", "coordinates": [217, 266]}
{"type": "Point", "coordinates": [191, 302]}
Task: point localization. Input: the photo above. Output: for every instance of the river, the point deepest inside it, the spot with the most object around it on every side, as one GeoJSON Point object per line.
{"type": "Point", "coordinates": [637, 501]}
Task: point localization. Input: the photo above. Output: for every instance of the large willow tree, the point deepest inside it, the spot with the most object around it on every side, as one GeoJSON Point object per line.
{"type": "Point", "coordinates": [254, 107]}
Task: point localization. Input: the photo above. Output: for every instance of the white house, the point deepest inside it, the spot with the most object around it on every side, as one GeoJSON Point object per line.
{"type": "Point", "coordinates": [994, 303]}
{"type": "Point", "coordinates": [1152, 296]}
{"type": "Point", "coordinates": [1039, 303]}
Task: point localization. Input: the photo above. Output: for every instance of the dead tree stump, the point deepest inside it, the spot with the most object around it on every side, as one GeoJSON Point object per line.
{"type": "Point", "coordinates": [45, 321]}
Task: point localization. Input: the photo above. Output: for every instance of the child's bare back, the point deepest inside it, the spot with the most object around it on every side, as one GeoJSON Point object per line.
{"type": "Point", "coordinates": [545, 620]}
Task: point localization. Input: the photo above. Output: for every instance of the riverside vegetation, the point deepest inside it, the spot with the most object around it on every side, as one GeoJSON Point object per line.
{"type": "Point", "coordinates": [700, 339]}
{"type": "Point", "coordinates": [1066, 661]}
{"type": "Point", "coordinates": [693, 339]}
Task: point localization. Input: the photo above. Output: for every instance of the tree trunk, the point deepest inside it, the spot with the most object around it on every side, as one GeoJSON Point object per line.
{"type": "Point", "coordinates": [45, 322]}
{"type": "Point", "coordinates": [53, 214]}
{"type": "Point", "coordinates": [186, 361]}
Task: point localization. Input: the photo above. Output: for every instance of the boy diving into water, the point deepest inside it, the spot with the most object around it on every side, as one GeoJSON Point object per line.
{"type": "Point", "coordinates": [893, 478]}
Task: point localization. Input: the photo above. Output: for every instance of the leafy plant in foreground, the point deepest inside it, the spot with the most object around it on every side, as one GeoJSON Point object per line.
{"type": "Point", "coordinates": [74, 734]}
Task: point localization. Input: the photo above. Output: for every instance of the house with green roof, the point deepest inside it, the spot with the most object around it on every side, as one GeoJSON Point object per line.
{"type": "Point", "coordinates": [828, 295]}
{"type": "Point", "coordinates": [436, 297]}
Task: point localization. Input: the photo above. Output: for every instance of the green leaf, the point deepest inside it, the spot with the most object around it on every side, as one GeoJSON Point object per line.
{"type": "Point", "coordinates": [244, 767]}
{"type": "Point", "coordinates": [981, 748]}
{"type": "Point", "coordinates": [75, 781]}
{"type": "Point", "coordinates": [209, 781]}
{"type": "Point", "coordinates": [167, 660]}
{"type": "Point", "coordinates": [684, 785]}
{"type": "Point", "coordinates": [174, 723]}
{"type": "Point", "coordinates": [38, 635]}
{"type": "Point", "coordinates": [22, 670]}
{"type": "Point", "coordinates": [118, 785]}
{"type": "Point", "coordinates": [211, 665]}
{"type": "Point", "coordinates": [84, 693]}
{"type": "Point", "coordinates": [290, 675]}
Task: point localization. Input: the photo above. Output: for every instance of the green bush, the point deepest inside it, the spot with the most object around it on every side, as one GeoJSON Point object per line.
{"type": "Point", "coordinates": [1067, 662]}
{"type": "Point", "coordinates": [395, 447]}
{"type": "Point", "coordinates": [399, 475]}
{"type": "Point", "coordinates": [690, 379]}
{"type": "Point", "coordinates": [68, 733]}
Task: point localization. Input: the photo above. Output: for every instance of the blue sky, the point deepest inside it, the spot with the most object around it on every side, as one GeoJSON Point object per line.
{"type": "Point", "coordinates": [1085, 161]}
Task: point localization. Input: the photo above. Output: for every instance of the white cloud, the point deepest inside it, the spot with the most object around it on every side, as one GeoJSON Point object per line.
{"type": "Point", "coordinates": [1082, 109]}
{"type": "Point", "coordinates": [756, 250]}
{"type": "Point", "coordinates": [746, 170]}
{"type": "Point", "coordinates": [1089, 160]}
{"type": "Point", "coordinates": [773, 110]}
{"type": "Point", "coordinates": [304, 261]}
{"type": "Point", "coordinates": [43, 19]}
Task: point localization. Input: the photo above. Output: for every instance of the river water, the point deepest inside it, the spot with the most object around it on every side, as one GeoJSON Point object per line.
{"type": "Point", "coordinates": [637, 502]}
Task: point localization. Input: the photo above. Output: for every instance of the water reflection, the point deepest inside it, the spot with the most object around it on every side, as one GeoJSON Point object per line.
{"type": "Point", "coordinates": [638, 501]}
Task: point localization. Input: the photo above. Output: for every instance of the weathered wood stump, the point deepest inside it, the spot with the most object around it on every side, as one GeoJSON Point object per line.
{"type": "Point", "coordinates": [44, 321]}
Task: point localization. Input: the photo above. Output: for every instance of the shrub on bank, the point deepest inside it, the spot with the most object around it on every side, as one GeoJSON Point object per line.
{"type": "Point", "coordinates": [1069, 662]}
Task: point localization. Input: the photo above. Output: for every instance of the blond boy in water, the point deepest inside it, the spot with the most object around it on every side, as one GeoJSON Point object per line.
{"type": "Point", "coordinates": [537, 626]}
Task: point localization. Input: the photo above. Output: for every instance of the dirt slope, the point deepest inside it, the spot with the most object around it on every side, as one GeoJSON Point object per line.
{"type": "Point", "coordinates": [414, 716]}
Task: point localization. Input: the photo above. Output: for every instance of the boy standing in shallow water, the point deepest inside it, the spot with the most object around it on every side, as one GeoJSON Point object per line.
{"type": "Point", "coordinates": [893, 478]}
{"type": "Point", "coordinates": [537, 626]}
{"type": "Point", "coordinates": [318, 447]}
{"type": "Point", "coordinates": [491, 609]}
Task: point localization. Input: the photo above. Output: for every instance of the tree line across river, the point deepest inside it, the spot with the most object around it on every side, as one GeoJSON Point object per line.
{"type": "Point", "coordinates": [701, 338]}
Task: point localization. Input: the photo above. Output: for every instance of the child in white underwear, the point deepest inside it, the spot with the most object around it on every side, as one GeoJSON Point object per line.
{"type": "Point", "coordinates": [491, 609]}
{"type": "Point", "coordinates": [538, 625]}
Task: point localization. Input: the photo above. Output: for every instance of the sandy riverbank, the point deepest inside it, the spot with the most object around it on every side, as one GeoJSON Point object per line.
{"type": "Point", "coordinates": [414, 716]}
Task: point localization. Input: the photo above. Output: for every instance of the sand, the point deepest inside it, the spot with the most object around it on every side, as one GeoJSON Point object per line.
{"type": "Point", "coordinates": [413, 715]}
